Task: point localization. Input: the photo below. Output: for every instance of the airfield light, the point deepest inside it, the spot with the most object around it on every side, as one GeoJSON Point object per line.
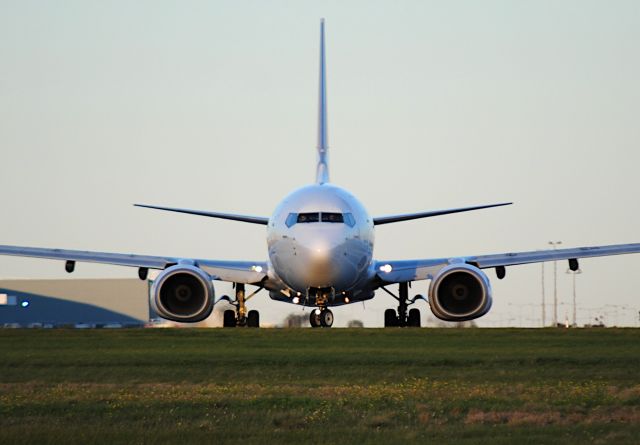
{"type": "Point", "coordinates": [25, 303]}
{"type": "Point", "coordinates": [296, 300]}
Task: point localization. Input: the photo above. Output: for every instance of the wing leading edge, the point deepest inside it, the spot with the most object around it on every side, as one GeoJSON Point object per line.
{"type": "Point", "coordinates": [232, 271]}
{"type": "Point", "coordinates": [425, 269]}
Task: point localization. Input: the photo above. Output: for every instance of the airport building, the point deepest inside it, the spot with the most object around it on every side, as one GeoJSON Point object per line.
{"type": "Point", "coordinates": [74, 302]}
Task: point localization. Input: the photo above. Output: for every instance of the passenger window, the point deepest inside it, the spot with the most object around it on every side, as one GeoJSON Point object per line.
{"type": "Point", "coordinates": [332, 217]}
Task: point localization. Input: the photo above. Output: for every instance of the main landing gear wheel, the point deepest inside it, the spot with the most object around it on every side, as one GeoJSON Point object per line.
{"type": "Point", "coordinates": [413, 321]}
{"type": "Point", "coordinates": [229, 319]}
{"type": "Point", "coordinates": [253, 319]}
{"type": "Point", "coordinates": [314, 318]}
{"type": "Point", "coordinates": [390, 318]}
{"type": "Point", "coordinates": [240, 316]}
{"type": "Point", "coordinates": [326, 318]}
{"type": "Point", "coordinates": [402, 317]}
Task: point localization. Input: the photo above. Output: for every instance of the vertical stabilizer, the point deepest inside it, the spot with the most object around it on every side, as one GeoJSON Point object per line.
{"type": "Point", "coordinates": [322, 170]}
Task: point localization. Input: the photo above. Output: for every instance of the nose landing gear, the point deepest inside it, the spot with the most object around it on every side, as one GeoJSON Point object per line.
{"type": "Point", "coordinates": [321, 317]}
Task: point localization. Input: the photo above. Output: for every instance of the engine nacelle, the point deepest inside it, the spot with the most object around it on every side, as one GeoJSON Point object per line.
{"type": "Point", "coordinates": [183, 293]}
{"type": "Point", "coordinates": [460, 292]}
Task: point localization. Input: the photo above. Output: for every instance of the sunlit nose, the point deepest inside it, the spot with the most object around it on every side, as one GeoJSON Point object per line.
{"type": "Point", "coordinates": [318, 259]}
{"type": "Point", "coordinates": [319, 249]}
{"type": "Point", "coordinates": [320, 252]}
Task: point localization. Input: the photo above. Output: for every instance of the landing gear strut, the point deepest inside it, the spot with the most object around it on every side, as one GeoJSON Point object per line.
{"type": "Point", "coordinates": [240, 316]}
{"type": "Point", "coordinates": [401, 318]}
{"type": "Point", "coordinates": [321, 317]}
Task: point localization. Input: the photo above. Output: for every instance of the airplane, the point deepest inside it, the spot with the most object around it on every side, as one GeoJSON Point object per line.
{"type": "Point", "coordinates": [320, 242]}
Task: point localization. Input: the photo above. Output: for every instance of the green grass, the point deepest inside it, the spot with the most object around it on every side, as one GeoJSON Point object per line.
{"type": "Point", "coordinates": [316, 386]}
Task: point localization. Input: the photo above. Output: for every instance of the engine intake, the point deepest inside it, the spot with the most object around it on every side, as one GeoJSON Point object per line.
{"type": "Point", "coordinates": [183, 293]}
{"type": "Point", "coordinates": [460, 292]}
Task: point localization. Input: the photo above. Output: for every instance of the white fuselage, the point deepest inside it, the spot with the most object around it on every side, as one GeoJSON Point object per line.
{"type": "Point", "coordinates": [321, 237]}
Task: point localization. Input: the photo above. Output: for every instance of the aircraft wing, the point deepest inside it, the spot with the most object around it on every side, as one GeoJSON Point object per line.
{"type": "Point", "coordinates": [230, 216]}
{"type": "Point", "coordinates": [233, 271]}
{"type": "Point", "coordinates": [425, 269]}
{"type": "Point", "coordinates": [378, 220]}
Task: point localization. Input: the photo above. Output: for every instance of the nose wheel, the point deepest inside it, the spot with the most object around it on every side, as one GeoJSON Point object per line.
{"type": "Point", "coordinates": [321, 317]}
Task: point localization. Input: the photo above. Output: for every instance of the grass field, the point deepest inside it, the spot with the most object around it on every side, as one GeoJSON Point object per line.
{"type": "Point", "coordinates": [462, 386]}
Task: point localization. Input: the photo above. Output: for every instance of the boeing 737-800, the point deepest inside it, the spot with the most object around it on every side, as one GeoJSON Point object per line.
{"type": "Point", "coordinates": [320, 242]}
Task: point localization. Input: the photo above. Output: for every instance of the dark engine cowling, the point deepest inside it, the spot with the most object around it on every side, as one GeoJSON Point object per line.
{"type": "Point", "coordinates": [183, 293]}
{"type": "Point", "coordinates": [460, 292]}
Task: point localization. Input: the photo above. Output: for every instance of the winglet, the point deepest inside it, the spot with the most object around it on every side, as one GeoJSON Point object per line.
{"type": "Point", "coordinates": [322, 169]}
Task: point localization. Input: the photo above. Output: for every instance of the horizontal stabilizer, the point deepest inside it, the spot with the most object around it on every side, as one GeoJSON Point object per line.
{"type": "Point", "coordinates": [233, 217]}
{"type": "Point", "coordinates": [409, 216]}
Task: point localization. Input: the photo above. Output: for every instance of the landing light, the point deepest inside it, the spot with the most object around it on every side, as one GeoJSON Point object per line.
{"type": "Point", "coordinates": [386, 268]}
{"type": "Point", "coordinates": [346, 299]}
{"type": "Point", "coordinates": [257, 269]}
{"type": "Point", "coordinates": [296, 300]}
{"type": "Point", "coordinates": [24, 304]}
{"type": "Point", "coordinates": [317, 311]}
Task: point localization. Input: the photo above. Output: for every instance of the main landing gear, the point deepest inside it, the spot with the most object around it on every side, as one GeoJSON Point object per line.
{"type": "Point", "coordinates": [401, 318]}
{"type": "Point", "coordinates": [240, 316]}
{"type": "Point", "coordinates": [321, 317]}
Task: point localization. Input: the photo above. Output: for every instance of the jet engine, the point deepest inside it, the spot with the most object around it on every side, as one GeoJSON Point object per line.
{"type": "Point", "coordinates": [183, 293]}
{"type": "Point", "coordinates": [460, 292]}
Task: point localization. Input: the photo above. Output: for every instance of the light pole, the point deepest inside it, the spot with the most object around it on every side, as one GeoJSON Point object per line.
{"type": "Point", "coordinates": [574, 273]}
{"type": "Point", "coordinates": [555, 285]}
{"type": "Point", "coordinates": [544, 318]}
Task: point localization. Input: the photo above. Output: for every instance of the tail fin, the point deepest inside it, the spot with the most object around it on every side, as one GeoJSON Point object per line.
{"type": "Point", "coordinates": [322, 169]}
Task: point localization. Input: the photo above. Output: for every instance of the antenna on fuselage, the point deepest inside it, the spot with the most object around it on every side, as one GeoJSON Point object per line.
{"type": "Point", "coordinates": [322, 169]}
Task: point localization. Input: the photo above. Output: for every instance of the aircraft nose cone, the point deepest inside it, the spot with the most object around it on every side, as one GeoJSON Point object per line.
{"type": "Point", "coordinates": [319, 252]}
{"type": "Point", "coordinates": [318, 261]}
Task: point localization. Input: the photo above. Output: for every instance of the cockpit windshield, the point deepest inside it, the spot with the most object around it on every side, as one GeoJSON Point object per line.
{"type": "Point", "coordinates": [308, 217]}
{"type": "Point", "coordinates": [325, 217]}
{"type": "Point", "coordinates": [332, 217]}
